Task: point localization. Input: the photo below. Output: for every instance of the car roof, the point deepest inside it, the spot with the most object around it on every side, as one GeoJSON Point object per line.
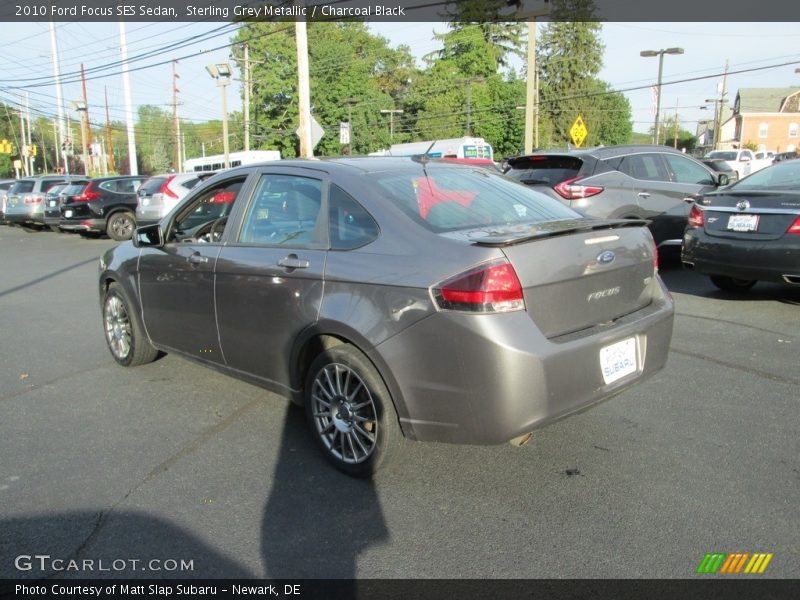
{"type": "Point", "coordinates": [355, 164]}
{"type": "Point", "coordinates": [602, 151]}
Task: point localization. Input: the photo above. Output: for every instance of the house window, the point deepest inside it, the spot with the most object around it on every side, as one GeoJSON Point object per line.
{"type": "Point", "coordinates": [793, 129]}
{"type": "Point", "coordinates": [763, 130]}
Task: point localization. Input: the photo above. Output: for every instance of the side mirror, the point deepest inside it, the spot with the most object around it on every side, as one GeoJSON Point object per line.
{"type": "Point", "coordinates": [149, 236]}
{"type": "Point", "coordinates": [723, 180]}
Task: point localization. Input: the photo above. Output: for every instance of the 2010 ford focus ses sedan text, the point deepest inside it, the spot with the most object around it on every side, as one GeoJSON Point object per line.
{"type": "Point", "coordinates": [394, 298]}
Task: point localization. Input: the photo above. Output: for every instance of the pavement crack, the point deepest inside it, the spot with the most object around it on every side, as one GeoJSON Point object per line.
{"type": "Point", "coordinates": [37, 386]}
{"type": "Point", "coordinates": [162, 467]}
{"type": "Point", "coordinates": [729, 322]}
{"type": "Point", "coordinates": [737, 367]}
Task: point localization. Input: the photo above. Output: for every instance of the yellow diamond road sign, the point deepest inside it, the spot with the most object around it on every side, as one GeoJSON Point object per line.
{"type": "Point", "coordinates": [578, 132]}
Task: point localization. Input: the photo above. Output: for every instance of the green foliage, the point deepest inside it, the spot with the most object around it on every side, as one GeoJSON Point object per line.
{"type": "Point", "coordinates": [750, 145]}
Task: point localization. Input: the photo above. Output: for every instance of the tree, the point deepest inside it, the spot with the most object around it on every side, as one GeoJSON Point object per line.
{"type": "Point", "coordinates": [570, 56]}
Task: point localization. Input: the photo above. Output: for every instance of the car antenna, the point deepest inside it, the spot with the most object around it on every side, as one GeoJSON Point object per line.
{"type": "Point", "coordinates": [425, 157]}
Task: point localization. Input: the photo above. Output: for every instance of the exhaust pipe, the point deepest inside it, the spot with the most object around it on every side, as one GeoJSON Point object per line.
{"type": "Point", "coordinates": [521, 440]}
{"type": "Point", "coordinates": [792, 279]}
{"type": "Point", "coordinates": [688, 265]}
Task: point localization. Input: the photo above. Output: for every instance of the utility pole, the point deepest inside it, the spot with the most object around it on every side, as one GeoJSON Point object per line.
{"type": "Point", "coordinates": [22, 148]}
{"type": "Point", "coordinates": [718, 124]}
{"type": "Point", "coordinates": [247, 91]}
{"type": "Point", "coordinates": [468, 82]}
{"type": "Point", "coordinates": [675, 135]}
{"type": "Point", "coordinates": [391, 112]}
{"type": "Point", "coordinates": [176, 124]}
{"type": "Point", "coordinates": [109, 140]}
{"type": "Point", "coordinates": [31, 158]}
{"type": "Point", "coordinates": [531, 96]}
{"type": "Point", "coordinates": [350, 103]}
{"type": "Point", "coordinates": [126, 84]}
{"type": "Point", "coordinates": [86, 132]}
{"type": "Point", "coordinates": [59, 97]}
{"type": "Point", "coordinates": [304, 88]}
{"type": "Point", "coordinates": [55, 140]}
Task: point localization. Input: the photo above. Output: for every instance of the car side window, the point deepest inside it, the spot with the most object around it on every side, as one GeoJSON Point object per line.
{"type": "Point", "coordinates": [205, 218]}
{"type": "Point", "coordinates": [648, 167]}
{"type": "Point", "coordinates": [351, 226]}
{"type": "Point", "coordinates": [284, 211]}
{"type": "Point", "coordinates": [685, 171]}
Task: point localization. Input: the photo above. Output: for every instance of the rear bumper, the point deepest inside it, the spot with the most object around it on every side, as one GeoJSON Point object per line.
{"type": "Point", "coordinates": [82, 224]}
{"type": "Point", "coordinates": [769, 260]}
{"type": "Point", "coordinates": [149, 215]}
{"type": "Point", "coordinates": [25, 218]}
{"type": "Point", "coordinates": [485, 379]}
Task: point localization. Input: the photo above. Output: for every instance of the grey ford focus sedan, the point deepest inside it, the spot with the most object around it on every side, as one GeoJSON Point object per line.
{"type": "Point", "coordinates": [394, 298]}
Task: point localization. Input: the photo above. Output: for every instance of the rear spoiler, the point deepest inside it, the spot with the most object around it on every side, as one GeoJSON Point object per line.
{"type": "Point", "coordinates": [554, 229]}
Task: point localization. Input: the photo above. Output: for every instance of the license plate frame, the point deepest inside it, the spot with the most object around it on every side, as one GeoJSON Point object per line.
{"type": "Point", "coordinates": [619, 360]}
{"type": "Point", "coordinates": [743, 223]}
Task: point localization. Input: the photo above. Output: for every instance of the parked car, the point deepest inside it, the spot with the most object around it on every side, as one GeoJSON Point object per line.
{"type": "Point", "coordinates": [749, 231]}
{"type": "Point", "coordinates": [784, 156]}
{"type": "Point", "coordinates": [395, 299]}
{"type": "Point", "coordinates": [57, 197]}
{"type": "Point", "coordinates": [26, 200]}
{"type": "Point", "coordinates": [5, 185]}
{"type": "Point", "coordinates": [743, 161]}
{"type": "Point", "coordinates": [621, 182]}
{"type": "Point", "coordinates": [720, 166]}
{"type": "Point", "coordinates": [161, 193]}
{"type": "Point", "coordinates": [106, 205]}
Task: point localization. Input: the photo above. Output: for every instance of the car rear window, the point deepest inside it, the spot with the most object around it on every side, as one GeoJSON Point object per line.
{"type": "Point", "coordinates": [450, 199]}
{"type": "Point", "coordinates": [21, 187]}
{"type": "Point", "coordinates": [152, 186]}
{"type": "Point", "coordinates": [547, 170]}
{"type": "Point", "coordinates": [722, 155]}
{"type": "Point", "coordinates": [74, 189]}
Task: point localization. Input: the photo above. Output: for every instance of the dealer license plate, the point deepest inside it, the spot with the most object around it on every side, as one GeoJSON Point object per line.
{"type": "Point", "coordinates": [67, 213]}
{"type": "Point", "coordinates": [743, 222]}
{"type": "Point", "coordinates": [618, 360]}
{"type": "Point", "coordinates": [53, 202]}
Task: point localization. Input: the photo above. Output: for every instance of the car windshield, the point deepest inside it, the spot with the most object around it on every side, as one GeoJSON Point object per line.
{"type": "Point", "coordinates": [73, 189]}
{"type": "Point", "coordinates": [782, 176]}
{"type": "Point", "coordinates": [722, 155]}
{"type": "Point", "coordinates": [448, 199]}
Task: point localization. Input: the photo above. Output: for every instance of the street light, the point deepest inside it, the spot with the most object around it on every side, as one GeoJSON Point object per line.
{"type": "Point", "coordinates": [80, 106]}
{"type": "Point", "coordinates": [718, 102]}
{"type": "Point", "coordinates": [660, 54]}
{"type": "Point", "coordinates": [222, 73]}
{"type": "Point", "coordinates": [391, 112]}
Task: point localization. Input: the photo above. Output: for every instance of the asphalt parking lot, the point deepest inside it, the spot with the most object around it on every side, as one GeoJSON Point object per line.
{"type": "Point", "coordinates": [170, 463]}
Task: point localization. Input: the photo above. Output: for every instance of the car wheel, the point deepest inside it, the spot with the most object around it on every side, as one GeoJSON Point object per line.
{"type": "Point", "coordinates": [731, 283]}
{"type": "Point", "coordinates": [120, 226]}
{"type": "Point", "coordinates": [350, 411]}
{"type": "Point", "coordinates": [124, 333]}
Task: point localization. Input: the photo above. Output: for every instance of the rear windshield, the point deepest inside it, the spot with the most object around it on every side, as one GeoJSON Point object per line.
{"type": "Point", "coordinates": [74, 189]}
{"type": "Point", "coordinates": [782, 176]}
{"type": "Point", "coordinates": [452, 199]}
{"type": "Point", "coordinates": [548, 170]}
{"type": "Point", "coordinates": [151, 186]}
{"type": "Point", "coordinates": [21, 187]}
{"type": "Point", "coordinates": [722, 155]}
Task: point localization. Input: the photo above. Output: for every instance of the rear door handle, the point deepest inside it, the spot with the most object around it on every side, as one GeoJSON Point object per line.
{"type": "Point", "coordinates": [643, 194]}
{"type": "Point", "coordinates": [688, 200]}
{"type": "Point", "coordinates": [197, 259]}
{"type": "Point", "coordinates": [292, 262]}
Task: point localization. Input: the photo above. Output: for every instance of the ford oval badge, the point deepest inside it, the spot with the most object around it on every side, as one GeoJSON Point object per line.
{"type": "Point", "coordinates": [606, 257]}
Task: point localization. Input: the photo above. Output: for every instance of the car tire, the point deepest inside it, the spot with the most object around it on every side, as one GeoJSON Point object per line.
{"type": "Point", "coordinates": [731, 283]}
{"type": "Point", "coordinates": [124, 333]}
{"type": "Point", "coordinates": [350, 412]}
{"type": "Point", "coordinates": [120, 226]}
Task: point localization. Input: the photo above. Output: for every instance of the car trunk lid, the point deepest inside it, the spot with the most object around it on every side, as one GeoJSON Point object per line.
{"type": "Point", "coordinates": [748, 214]}
{"type": "Point", "coordinates": [580, 273]}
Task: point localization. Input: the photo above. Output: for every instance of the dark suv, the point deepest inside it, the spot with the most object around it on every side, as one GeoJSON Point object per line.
{"type": "Point", "coordinates": [622, 182]}
{"type": "Point", "coordinates": [106, 205]}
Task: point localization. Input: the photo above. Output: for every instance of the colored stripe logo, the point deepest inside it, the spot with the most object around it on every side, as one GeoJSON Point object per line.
{"type": "Point", "coordinates": [735, 563]}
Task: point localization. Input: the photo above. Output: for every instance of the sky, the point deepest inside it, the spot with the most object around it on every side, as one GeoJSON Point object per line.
{"type": "Point", "coordinates": [26, 63]}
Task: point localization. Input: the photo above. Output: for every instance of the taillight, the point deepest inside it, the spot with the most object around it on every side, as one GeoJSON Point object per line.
{"type": "Point", "coordinates": [491, 288]}
{"type": "Point", "coordinates": [696, 218]}
{"type": "Point", "coordinates": [33, 199]}
{"type": "Point", "coordinates": [88, 194]}
{"type": "Point", "coordinates": [571, 191]}
{"type": "Point", "coordinates": [794, 227]}
{"type": "Point", "coordinates": [165, 188]}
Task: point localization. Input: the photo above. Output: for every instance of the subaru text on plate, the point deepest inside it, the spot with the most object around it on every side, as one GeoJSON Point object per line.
{"type": "Point", "coordinates": [394, 298]}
